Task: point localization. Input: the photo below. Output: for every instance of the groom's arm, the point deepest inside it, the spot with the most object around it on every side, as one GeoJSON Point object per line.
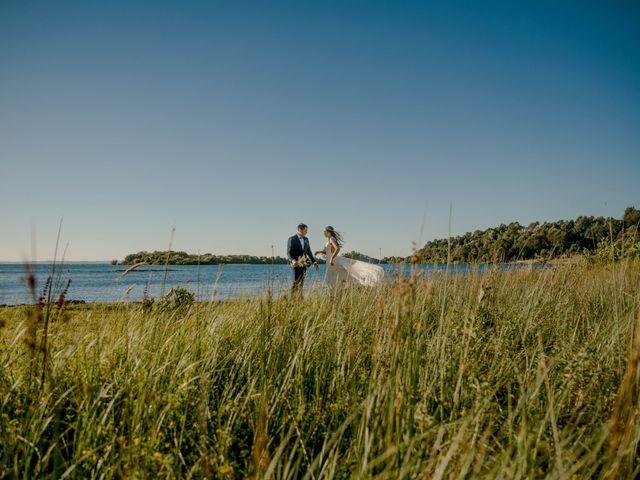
{"type": "Point", "coordinates": [310, 253]}
{"type": "Point", "coordinates": [289, 253]}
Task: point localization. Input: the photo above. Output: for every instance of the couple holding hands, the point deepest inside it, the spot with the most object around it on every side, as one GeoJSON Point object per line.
{"type": "Point", "coordinates": [340, 270]}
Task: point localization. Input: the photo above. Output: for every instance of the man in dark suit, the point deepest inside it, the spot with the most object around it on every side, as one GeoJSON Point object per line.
{"type": "Point", "coordinates": [297, 247]}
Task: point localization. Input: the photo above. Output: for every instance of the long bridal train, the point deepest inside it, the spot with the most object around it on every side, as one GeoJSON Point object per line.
{"type": "Point", "coordinates": [346, 270]}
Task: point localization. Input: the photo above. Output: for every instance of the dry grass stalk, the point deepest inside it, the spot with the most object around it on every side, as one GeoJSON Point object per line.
{"type": "Point", "coordinates": [624, 422]}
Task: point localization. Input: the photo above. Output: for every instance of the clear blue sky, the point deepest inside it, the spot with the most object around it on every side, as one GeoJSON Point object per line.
{"type": "Point", "coordinates": [237, 120]}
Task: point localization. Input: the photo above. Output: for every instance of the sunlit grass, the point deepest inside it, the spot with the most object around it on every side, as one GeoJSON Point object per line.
{"type": "Point", "coordinates": [515, 374]}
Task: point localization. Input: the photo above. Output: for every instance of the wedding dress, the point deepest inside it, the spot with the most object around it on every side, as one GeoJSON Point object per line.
{"type": "Point", "coordinates": [346, 270]}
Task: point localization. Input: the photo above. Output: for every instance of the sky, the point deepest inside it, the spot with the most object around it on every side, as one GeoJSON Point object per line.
{"type": "Point", "coordinates": [234, 121]}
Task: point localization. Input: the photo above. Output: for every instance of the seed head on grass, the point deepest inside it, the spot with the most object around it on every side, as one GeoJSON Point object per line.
{"type": "Point", "coordinates": [45, 292]}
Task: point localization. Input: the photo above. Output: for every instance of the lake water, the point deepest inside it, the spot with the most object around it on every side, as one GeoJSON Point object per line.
{"type": "Point", "coordinates": [103, 282]}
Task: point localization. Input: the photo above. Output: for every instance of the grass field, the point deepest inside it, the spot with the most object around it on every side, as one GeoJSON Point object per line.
{"type": "Point", "coordinates": [521, 374]}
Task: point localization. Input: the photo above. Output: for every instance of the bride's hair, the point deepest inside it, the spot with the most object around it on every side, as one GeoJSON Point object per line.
{"type": "Point", "coordinates": [336, 235]}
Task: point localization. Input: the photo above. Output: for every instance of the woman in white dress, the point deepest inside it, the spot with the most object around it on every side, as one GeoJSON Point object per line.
{"type": "Point", "coordinates": [343, 270]}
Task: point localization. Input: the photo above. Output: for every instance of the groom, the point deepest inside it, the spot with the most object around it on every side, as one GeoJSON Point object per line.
{"type": "Point", "coordinates": [298, 246]}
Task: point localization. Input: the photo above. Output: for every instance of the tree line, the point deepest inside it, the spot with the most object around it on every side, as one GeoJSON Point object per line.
{"type": "Point", "coordinates": [184, 258]}
{"type": "Point", "coordinates": [597, 238]}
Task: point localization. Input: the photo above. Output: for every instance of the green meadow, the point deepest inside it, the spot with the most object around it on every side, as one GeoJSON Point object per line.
{"type": "Point", "coordinates": [518, 374]}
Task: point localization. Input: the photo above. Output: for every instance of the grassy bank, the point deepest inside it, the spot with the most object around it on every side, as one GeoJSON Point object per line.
{"type": "Point", "coordinates": [512, 374]}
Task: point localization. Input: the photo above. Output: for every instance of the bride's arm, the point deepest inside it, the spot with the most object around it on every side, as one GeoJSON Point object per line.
{"type": "Point", "coordinates": [336, 249]}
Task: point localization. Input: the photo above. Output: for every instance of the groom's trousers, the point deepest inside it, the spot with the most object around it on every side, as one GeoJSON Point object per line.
{"type": "Point", "coordinates": [298, 280]}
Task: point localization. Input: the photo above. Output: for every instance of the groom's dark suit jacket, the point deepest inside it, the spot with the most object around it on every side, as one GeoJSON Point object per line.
{"type": "Point", "coordinates": [295, 250]}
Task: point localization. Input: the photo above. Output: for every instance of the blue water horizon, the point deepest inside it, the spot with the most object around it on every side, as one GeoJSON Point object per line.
{"type": "Point", "coordinates": [102, 282]}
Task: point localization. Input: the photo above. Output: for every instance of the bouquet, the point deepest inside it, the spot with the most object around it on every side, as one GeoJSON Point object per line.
{"type": "Point", "coordinates": [302, 261]}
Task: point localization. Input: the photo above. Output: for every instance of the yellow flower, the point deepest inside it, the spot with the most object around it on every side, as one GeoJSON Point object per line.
{"type": "Point", "coordinates": [225, 469]}
{"type": "Point", "coordinates": [157, 456]}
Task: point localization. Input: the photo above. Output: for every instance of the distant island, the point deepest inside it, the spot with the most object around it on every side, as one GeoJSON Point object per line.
{"type": "Point", "coordinates": [591, 237]}
{"type": "Point", "coordinates": [184, 258]}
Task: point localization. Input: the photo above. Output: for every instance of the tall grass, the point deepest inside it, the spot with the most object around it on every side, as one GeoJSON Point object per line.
{"type": "Point", "coordinates": [519, 374]}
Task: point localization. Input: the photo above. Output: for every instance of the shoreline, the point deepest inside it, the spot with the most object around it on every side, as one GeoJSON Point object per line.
{"type": "Point", "coordinates": [236, 293]}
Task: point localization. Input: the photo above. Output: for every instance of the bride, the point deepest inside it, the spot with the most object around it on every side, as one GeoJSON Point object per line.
{"type": "Point", "coordinates": [343, 270]}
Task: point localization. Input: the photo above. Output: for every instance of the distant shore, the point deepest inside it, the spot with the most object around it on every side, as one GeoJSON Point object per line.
{"type": "Point", "coordinates": [572, 260]}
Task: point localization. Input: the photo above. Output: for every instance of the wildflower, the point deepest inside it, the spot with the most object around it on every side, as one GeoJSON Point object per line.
{"type": "Point", "coordinates": [31, 281]}
{"type": "Point", "coordinates": [225, 470]}
{"type": "Point", "coordinates": [63, 295]}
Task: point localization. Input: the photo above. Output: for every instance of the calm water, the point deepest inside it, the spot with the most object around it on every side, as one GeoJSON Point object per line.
{"type": "Point", "coordinates": [102, 282]}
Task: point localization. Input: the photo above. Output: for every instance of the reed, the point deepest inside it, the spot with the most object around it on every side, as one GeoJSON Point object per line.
{"type": "Point", "coordinates": [518, 374]}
